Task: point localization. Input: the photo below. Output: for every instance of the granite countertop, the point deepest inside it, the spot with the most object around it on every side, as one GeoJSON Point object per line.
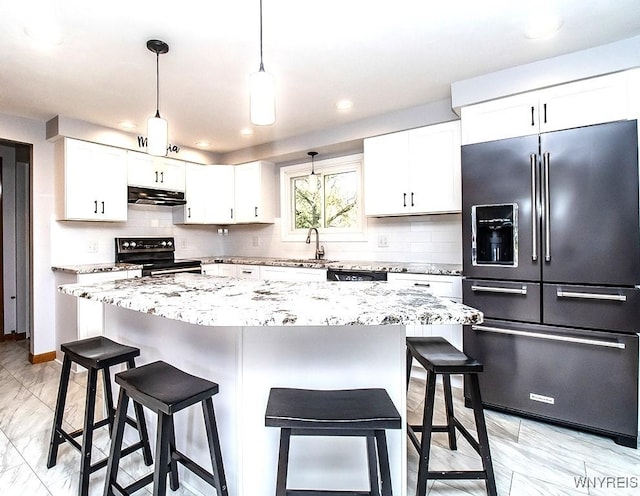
{"type": "Point", "coordinates": [95, 268]}
{"type": "Point", "coordinates": [401, 267]}
{"type": "Point", "coordinates": [223, 301]}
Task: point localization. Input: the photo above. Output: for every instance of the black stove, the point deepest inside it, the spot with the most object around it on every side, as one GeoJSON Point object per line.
{"type": "Point", "coordinates": [156, 255]}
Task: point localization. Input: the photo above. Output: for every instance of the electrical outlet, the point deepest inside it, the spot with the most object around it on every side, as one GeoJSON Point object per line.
{"type": "Point", "coordinates": [383, 241]}
{"type": "Point", "coordinates": [256, 241]}
{"type": "Point", "coordinates": [183, 243]}
{"type": "Point", "coordinates": [92, 246]}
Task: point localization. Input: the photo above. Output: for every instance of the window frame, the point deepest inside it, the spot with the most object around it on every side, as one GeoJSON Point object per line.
{"type": "Point", "coordinates": [323, 167]}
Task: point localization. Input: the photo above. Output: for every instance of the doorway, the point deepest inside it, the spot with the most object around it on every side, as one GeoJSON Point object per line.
{"type": "Point", "coordinates": [15, 229]}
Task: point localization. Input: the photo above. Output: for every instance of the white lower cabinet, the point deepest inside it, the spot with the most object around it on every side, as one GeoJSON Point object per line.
{"type": "Point", "coordinates": [219, 269]}
{"type": "Point", "coordinates": [272, 273]}
{"type": "Point", "coordinates": [443, 286]}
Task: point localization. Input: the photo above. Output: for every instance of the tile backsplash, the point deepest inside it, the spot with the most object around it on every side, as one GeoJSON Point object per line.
{"type": "Point", "coordinates": [421, 239]}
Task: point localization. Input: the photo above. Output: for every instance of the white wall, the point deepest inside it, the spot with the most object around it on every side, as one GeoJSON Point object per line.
{"type": "Point", "coordinates": [420, 239]}
{"type": "Point", "coordinates": [29, 131]}
{"type": "Point", "coordinates": [73, 241]}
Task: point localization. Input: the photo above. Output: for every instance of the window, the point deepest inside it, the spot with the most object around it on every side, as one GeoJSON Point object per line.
{"type": "Point", "coordinates": [330, 200]}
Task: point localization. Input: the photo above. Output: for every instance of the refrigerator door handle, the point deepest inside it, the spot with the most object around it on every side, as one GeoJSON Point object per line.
{"type": "Point", "coordinates": [546, 210]}
{"type": "Point", "coordinates": [590, 296]}
{"type": "Point", "coordinates": [492, 289]}
{"type": "Point", "coordinates": [534, 210]}
{"type": "Point", "coordinates": [551, 337]}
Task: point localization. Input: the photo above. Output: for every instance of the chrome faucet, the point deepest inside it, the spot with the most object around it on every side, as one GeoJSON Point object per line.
{"type": "Point", "coordinates": [319, 249]}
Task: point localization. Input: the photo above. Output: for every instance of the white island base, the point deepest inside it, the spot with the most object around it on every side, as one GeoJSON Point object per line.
{"type": "Point", "coordinates": [246, 362]}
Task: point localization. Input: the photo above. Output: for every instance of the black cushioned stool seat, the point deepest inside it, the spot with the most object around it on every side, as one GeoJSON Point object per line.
{"type": "Point", "coordinates": [165, 390]}
{"type": "Point", "coordinates": [95, 354]}
{"type": "Point", "coordinates": [354, 412]}
{"type": "Point", "coordinates": [438, 356]}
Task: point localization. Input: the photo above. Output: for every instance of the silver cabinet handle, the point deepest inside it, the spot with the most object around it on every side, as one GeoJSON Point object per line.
{"type": "Point", "coordinates": [551, 337]}
{"type": "Point", "coordinates": [590, 296]}
{"type": "Point", "coordinates": [492, 289]}
{"type": "Point", "coordinates": [547, 202]}
{"type": "Point", "coordinates": [534, 209]}
{"type": "Point", "coordinates": [422, 284]}
{"type": "Point", "coordinates": [247, 272]}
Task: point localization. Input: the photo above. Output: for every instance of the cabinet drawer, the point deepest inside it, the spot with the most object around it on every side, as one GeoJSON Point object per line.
{"type": "Point", "coordinates": [248, 271]}
{"type": "Point", "coordinates": [503, 299]}
{"type": "Point", "coordinates": [615, 309]}
{"type": "Point", "coordinates": [445, 286]}
{"type": "Point", "coordinates": [585, 378]}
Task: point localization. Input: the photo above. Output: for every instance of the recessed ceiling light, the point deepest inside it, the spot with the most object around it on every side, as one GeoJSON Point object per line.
{"type": "Point", "coordinates": [128, 125]}
{"type": "Point", "coordinates": [344, 105]}
{"type": "Point", "coordinates": [246, 131]}
{"type": "Point", "coordinates": [44, 31]}
{"type": "Point", "coordinates": [203, 144]}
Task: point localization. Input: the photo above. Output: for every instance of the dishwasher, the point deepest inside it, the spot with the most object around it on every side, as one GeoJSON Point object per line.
{"type": "Point", "coordinates": [355, 275]}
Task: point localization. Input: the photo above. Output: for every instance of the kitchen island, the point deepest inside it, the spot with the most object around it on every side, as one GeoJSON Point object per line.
{"type": "Point", "coordinates": [249, 336]}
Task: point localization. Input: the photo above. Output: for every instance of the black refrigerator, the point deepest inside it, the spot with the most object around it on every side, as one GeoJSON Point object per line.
{"type": "Point", "coordinates": [551, 256]}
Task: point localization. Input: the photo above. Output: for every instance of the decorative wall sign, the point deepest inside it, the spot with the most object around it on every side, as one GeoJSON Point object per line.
{"type": "Point", "coordinates": [142, 143]}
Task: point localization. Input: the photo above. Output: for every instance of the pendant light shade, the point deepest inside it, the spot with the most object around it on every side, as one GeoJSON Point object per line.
{"type": "Point", "coordinates": [157, 127]}
{"type": "Point", "coordinates": [262, 90]}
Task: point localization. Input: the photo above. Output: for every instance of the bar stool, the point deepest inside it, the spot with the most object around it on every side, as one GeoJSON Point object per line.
{"type": "Point", "coordinates": [356, 412]}
{"type": "Point", "coordinates": [95, 354]}
{"type": "Point", "coordinates": [165, 390]}
{"type": "Point", "coordinates": [439, 357]}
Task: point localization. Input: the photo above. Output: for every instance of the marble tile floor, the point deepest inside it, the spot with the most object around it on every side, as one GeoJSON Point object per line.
{"type": "Point", "coordinates": [530, 458]}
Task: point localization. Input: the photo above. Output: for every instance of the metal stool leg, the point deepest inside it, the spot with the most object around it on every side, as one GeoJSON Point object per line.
{"type": "Point", "coordinates": [425, 444]}
{"type": "Point", "coordinates": [214, 447]}
{"type": "Point", "coordinates": [87, 431]}
{"type": "Point", "coordinates": [56, 438]}
{"type": "Point", "coordinates": [448, 401]}
{"type": "Point", "coordinates": [483, 439]}
{"type": "Point", "coordinates": [283, 462]}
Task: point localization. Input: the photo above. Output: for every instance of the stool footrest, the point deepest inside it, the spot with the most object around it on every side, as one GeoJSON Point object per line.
{"type": "Point", "coordinates": [205, 475]}
{"type": "Point", "coordinates": [316, 492]}
{"type": "Point", "coordinates": [460, 474]}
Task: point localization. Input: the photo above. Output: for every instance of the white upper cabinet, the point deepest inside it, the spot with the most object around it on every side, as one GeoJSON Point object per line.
{"type": "Point", "coordinates": [148, 171]}
{"type": "Point", "coordinates": [582, 103]}
{"type": "Point", "coordinates": [94, 181]}
{"type": "Point", "coordinates": [220, 194]}
{"type": "Point", "coordinates": [255, 192]}
{"type": "Point", "coordinates": [413, 172]}
{"type": "Point", "coordinates": [197, 188]}
{"type": "Point", "coordinates": [209, 195]}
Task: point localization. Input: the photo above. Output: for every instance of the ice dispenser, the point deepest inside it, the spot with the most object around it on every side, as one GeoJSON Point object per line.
{"type": "Point", "coordinates": [495, 234]}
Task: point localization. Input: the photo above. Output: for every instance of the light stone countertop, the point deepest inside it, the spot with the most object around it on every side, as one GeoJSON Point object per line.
{"type": "Point", "coordinates": [399, 267]}
{"type": "Point", "coordinates": [396, 267]}
{"type": "Point", "coordinates": [222, 301]}
{"type": "Point", "coordinates": [95, 268]}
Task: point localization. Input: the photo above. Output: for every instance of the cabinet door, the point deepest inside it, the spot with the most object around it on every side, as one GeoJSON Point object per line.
{"type": "Point", "coordinates": [95, 182]}
{"type": "Point", "coordinates": [219, 194]}
{"type": "Point", "coordinates": [497, 119]}
{"type": "Point", "coordinates": [434, 169]}
{"type": "Point", "coordinates": [254, 192]}
{"type": "Point", "coordinates": [196, 189]}
{"type": "Point", "coordinates": [386, 183]}
{"type": "Point", "coordinates": [155, 172]}
{"type": "Point", "coordinates": [271, 273]}
{"type": "Point", "coordinates": [592, 101]}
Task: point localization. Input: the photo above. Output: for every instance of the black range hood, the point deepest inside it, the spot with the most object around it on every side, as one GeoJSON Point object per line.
{"type": "Point", "coordinates": [149, 196]}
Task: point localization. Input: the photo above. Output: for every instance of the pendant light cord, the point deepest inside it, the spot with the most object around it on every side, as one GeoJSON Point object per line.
{"type": "Point", "coordinates": [158, 84]}
{"type": "Point", "coordinates": [261, 64]}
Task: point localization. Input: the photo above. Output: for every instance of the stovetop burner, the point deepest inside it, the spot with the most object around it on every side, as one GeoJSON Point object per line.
{"type": "Point", "coordinates": [156, 255]}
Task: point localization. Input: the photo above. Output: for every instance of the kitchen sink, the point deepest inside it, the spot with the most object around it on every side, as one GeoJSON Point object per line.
{"type": "Point", "coordinates": [302, 261]}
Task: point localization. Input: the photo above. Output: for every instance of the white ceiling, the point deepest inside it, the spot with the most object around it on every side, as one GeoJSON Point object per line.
{"type": "Point", "coordinates": [384, 55]}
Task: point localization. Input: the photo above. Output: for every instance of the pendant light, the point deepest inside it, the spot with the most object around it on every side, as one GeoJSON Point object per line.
{"type": "Point", "coordinates": [262, 92]}
{"type": "Point", "coordinates": [314, 179]}
{"type": "Point", "coordinates": [157, 127]}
